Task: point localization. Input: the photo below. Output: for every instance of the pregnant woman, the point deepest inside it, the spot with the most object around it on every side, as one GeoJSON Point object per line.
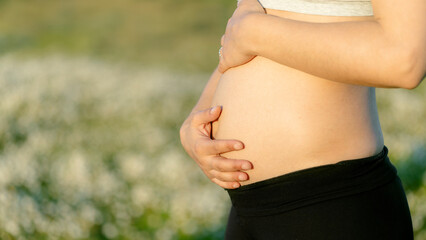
{"type": "Point", "coordinates": [295, 137]}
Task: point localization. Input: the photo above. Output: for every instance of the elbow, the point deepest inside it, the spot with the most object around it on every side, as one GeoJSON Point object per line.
{"type": "Point", "coordinates": [410, 68]}
{"type": "Point", "coordinates": [413, 83]}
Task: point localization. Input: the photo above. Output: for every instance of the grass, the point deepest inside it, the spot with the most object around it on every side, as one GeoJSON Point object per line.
{"type": "Point", "coordinates": [181, 34]}
{"type": "Point", "coordinates": [84, 156]}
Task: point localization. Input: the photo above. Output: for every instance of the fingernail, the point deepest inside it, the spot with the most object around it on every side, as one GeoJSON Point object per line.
{"type": "Point", "coordinates": [246, 166]}
{"type": "Point", "coordinates": [242, 177]}
{"type": "Point", "coordinates": [238, 146]}
{"type": "Point", "coordinates": [236, 185]}
{"type": "Point", "coordinates": [213, 109]}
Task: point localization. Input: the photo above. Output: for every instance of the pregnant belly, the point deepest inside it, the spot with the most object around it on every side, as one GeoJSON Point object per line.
{"type": "Point", "coordinates": [290, 120]}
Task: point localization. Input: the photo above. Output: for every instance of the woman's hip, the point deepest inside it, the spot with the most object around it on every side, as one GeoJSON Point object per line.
{"type": "Point", "coordinates": [380, 213]}
{"type": "Point", "coordinates": [352, 199]}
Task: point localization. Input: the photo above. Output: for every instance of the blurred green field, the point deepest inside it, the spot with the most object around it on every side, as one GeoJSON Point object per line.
{"type": "Point", "coordinates": [92, 97]}
{"type": "Point", "coordinates": [183, 35]}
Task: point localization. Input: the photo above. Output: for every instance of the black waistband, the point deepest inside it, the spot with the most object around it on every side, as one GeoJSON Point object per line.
{"type": "Point", "coordinates": [307, 186]}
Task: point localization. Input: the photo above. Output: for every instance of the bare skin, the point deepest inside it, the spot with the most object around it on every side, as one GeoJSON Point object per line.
{"type": "Point", "coordinates": [286, 118]}
{"type": "Point", "coordinates": [195, 135]}
{"type": "Point", "coordinates": [290, 120]}
{"type": "Point", "coordinates": [387, 50]}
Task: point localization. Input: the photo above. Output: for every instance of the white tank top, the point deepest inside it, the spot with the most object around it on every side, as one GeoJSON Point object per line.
{"type": "Point", "coordinates": [322, 7]}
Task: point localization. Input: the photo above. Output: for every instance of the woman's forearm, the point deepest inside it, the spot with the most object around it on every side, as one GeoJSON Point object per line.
{"type": "Point", "coordinates": [350, 52]}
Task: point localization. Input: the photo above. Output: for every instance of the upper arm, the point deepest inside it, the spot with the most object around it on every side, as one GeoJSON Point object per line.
{"type": "Point", "coordinates": [403, 22]}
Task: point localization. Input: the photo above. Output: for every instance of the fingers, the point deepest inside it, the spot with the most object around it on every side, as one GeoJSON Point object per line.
{"type": "Point", "coordinates": [222, 40]}
{"type": "Point", "coordinates": [206, 116]}
{"type": "Point", "coordinates": [230, 176]}
{"type": "Point", "coordinates": [222, 164]}
{"type": "Point", "coordinates": [229, 180]}
{"type": "Point", "coordinates": [226, 172]}
{"type": "Point", "coordinates": [216, 147]}
{"type": "Point", "coordinates": [227, 185]}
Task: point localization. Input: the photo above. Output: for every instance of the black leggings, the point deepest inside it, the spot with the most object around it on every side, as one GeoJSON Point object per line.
{"type": "Point", "coordinates": [360, 199]}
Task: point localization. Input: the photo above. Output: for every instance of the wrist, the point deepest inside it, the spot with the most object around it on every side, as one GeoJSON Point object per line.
{"type": "Point", "coordinates": [250, 33]}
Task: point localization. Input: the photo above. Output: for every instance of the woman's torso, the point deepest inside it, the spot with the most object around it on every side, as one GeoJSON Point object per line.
{"type": "Point", "coordinates": [289, 120]}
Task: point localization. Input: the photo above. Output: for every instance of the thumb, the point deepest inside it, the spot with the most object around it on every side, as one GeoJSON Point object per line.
{"type": "Point", "coordinates": [207, 115]}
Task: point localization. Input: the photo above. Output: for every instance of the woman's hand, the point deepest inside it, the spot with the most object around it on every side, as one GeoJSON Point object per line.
{"type": "Point", "coordinates": [234, 52]}
{"type": "Point", "coordinates": [195, 138]}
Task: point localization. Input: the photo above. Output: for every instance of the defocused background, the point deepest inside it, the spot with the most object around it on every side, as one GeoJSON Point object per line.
{"type": "Point", "coordinates": [92, 97]}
